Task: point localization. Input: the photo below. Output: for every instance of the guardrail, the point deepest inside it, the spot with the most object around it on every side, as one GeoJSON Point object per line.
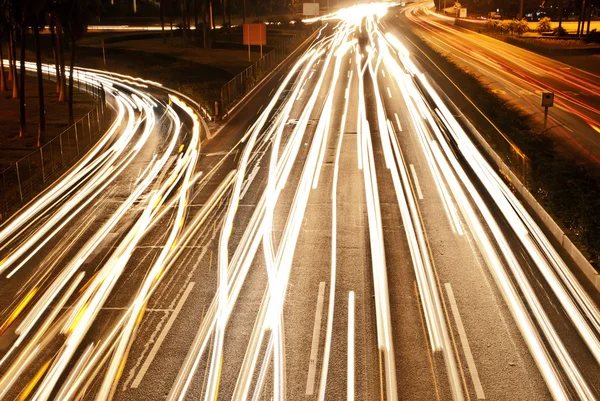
{"type": "Point", "coordinates": [23, 180]}
{"type": "Point", "coordinates": [243, 83]}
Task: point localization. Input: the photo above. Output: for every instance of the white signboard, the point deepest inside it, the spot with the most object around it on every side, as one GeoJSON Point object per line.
{"type": "Point", "coordinates": [310, 8]}
{"type": "Point", "coordinates": [463, 13]}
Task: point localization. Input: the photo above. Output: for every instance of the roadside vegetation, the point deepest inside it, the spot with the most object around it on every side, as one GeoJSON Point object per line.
{"type": "Point", "coordinates": [510, 26]}
{"type": "Point", "coordinates": [569, 191]}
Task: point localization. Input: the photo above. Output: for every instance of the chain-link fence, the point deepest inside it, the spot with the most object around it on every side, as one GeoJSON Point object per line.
{"type": "Point", "coordinates": [243, 83]}
{"type": "Point", "coordinates": [23, 180]}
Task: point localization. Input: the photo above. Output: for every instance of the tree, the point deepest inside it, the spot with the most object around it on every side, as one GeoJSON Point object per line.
{"type": "Point", "coordinates": [11, 10]}
{"type": "Point", "coordinates": [184, 21]}
{"type": "Point", "coordinates": [162, 20]}
{"type": "Point", "coordinates": [38, 62]}
{"type": "Point", "coordinates": [224, 9]}
{"type": "Point", "coordinates": [204, 25]}
{"type": "Point", "coordinates": [61, 60]}
{"type": "Point", "coordinates": [55, 50]}
{"type": "Point", "coordinates": [33, 15]}
{"type": "Point", "coordinates": [73, 15]}
{"type": "Point", "coordinates": [3, 84]}
{"type": "Point", "coordinates": [544, 25]}
{"type": "Point", "coordinates": [19, 13]}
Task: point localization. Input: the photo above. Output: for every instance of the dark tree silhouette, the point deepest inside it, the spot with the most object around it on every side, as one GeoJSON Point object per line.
{"type": "Point", "coordinates": [3, 84]}
{"type": "Point", "coordinates": [74, 18]}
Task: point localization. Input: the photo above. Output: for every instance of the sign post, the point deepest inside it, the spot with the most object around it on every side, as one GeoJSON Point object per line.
{"type": "Point", "coordinates": [260, 40]}
{"type": "Point", "coordinates": [547, 101]}
{"type": "Point", "coordinates": [247, 34]}
{"type": "Point", "coordinates": [255, 34]}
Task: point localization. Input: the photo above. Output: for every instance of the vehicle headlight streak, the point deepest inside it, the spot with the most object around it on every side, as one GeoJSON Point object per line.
{"type": "Point", "coordinates": [86, 181]}
{"type": "Point", "coordinates": [166, 183]}
{"type": "Point", "coordinates": [516, 216]}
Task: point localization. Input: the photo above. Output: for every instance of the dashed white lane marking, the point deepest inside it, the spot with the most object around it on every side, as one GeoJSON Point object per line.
{"type": "Point", "coordinates": [465, 344]}
{"type": "Point", "coordinates": [350, 380]}
{"type": "Point", "coordinates": [417, 186]}
{"type": "Point", "coordinates": [389, 92]}
{"type": "Point", "coordinates": [314, 348]}
{"type": "Point", "coordinates": [161, 338]}
{"type": "Point", "coordinates": [249, 181]}
{"type": "Point", "coordinates": [398, 122]}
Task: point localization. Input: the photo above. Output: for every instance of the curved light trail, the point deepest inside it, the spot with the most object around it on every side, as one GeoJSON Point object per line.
{"type": "Point", "coordinates": [146, 183]}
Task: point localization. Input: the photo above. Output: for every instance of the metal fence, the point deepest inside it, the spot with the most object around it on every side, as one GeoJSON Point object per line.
{"type": "Point", "coordinates": [23, 180]}
{"type": "Point", "coordinates": [243, 83]}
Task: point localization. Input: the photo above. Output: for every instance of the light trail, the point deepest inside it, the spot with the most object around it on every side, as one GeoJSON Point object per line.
{"type": "Point", "coordinates": [170, 172]}
{"type": "Point", "coordinates": [151, 157]}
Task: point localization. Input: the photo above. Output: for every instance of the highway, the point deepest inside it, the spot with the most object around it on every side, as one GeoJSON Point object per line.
{"type": "Point", "coordinates": [340, 237]}
{"type": "Point", "coordinates": [520, 76]}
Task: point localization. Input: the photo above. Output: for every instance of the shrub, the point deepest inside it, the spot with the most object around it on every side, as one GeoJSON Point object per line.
{"type": "Point", "coordinates": [492, 24]}
{"type": "Point", "coordinates": [544, 25]}
{"type": "Point", "coordinates": [594, 36]}
{"type": "Point", "coordinates": [519, 27]}
{"type": "Point", "coordinates": [559, 31]}
{"type": "Point", "coordinates": [514, 26]}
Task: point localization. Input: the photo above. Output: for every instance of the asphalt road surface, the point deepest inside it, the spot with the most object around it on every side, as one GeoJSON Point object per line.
{"type": "Point", "coordinates": [339, 238]}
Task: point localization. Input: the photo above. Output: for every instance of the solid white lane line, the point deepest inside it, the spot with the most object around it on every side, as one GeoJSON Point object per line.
{"type": "Point", "coordinates": [417, 186]}
{"type": "Point", "coordinates": [465, 344]}
{"type": "Point", "coordinates": [398, 122]}
{"type": "Point", "coordinates": [162, 336]}
{"type": "Point", "coordinates": [350, 380]}
{"type": "Point", "coordinates": [389, 93]}
{"type": "Point", "coordinates": [314, 348]}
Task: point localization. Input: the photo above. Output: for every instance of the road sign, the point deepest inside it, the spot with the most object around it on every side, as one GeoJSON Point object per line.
{"type": "Point", "coordinates": [255, 34]}
{"type": "Point", "coordinates": [463, 13]}
{"type": "Point", "coordinates": [310, 9]}
{"type": "Point", "coordinates": [547, 99]}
